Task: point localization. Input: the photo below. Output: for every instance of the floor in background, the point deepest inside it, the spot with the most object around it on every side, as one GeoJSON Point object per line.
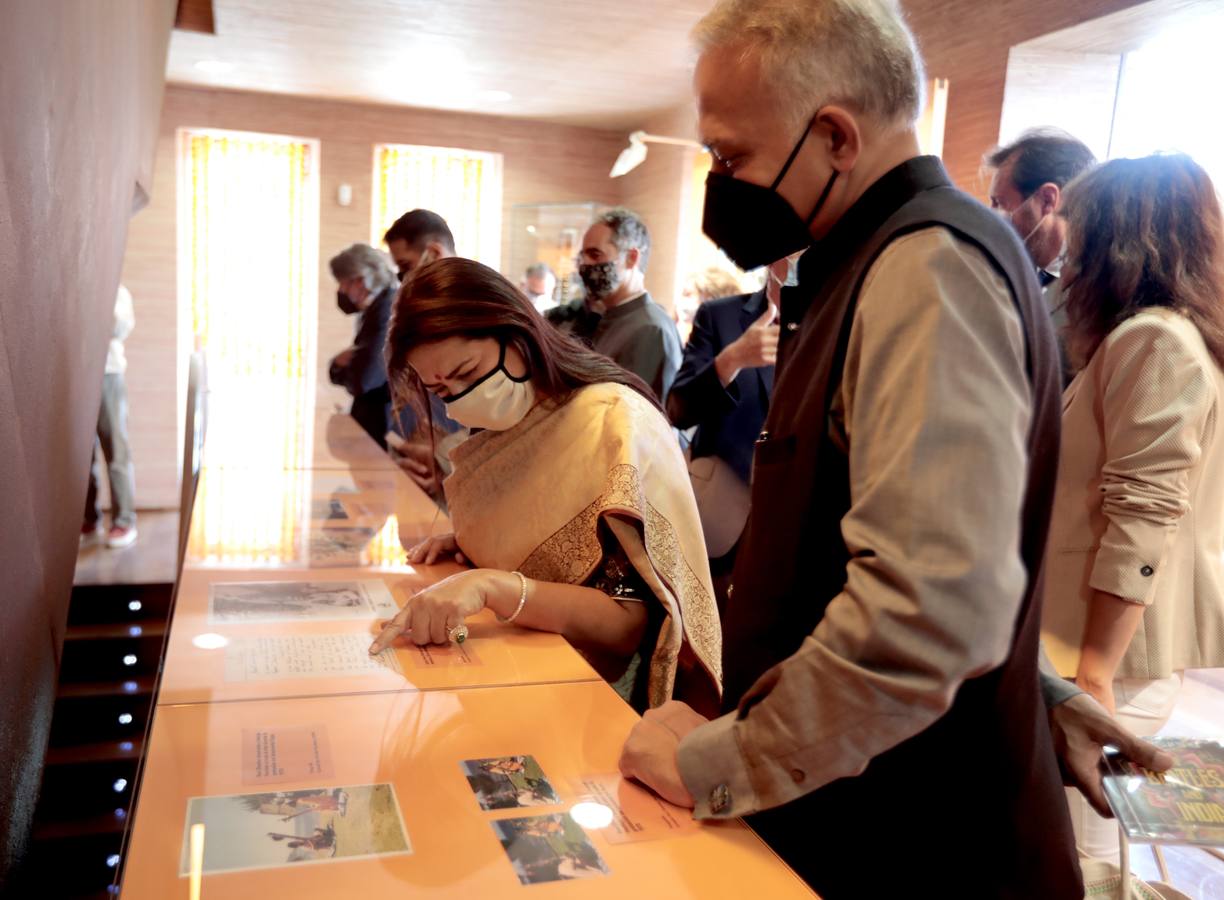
{"type": "Point", "coordinates": [148, 561]}
{"type": "Point", "coordinates": [1199, 714]}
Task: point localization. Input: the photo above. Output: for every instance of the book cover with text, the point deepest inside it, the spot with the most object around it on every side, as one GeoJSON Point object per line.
{"type": "Point", "coordinates": [1184, 805]}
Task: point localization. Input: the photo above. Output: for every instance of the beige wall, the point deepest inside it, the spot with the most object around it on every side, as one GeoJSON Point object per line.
{"type": "Point", "coordinates": [79, 98]}
{"type": "Point", "coordinates": [1072, 91]}
{"type": "Point", "coordinates": [543, 163]}
{"type": "Point", "coordinates": [657, 191]}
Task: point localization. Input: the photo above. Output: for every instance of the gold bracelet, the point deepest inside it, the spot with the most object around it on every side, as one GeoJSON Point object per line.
{"type": "Point", "coordinates": [522, 600]}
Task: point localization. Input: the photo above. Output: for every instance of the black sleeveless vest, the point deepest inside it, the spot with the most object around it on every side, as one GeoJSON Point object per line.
{"type": "Point", "coordinates": [973, 806]}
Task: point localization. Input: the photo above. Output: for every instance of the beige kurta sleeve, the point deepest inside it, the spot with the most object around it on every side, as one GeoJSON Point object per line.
{"type": "Point", "coordinates": [936, 412]}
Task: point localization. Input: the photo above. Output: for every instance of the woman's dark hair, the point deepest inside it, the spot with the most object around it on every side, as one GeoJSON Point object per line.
{"type": "Point", "coordinates": [1140, 233]}
{"type": "Point", "coordinates": [459, 297]}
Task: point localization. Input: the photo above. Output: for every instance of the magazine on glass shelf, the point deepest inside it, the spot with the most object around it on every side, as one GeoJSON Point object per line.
{"type": "Point", "coordinates": [1184, 805]}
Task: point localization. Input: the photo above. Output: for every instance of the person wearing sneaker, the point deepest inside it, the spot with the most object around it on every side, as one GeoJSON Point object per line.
{"type": "Point", "coordinates": [112, 436]}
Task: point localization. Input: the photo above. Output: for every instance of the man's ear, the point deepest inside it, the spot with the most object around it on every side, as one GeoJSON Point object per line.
{"type": "Point", "coordinates": [1049, 195]}
{"type": "Point", "coordinates": [633, 258]}
{"type": "Point", "coordinates": [839, 130]}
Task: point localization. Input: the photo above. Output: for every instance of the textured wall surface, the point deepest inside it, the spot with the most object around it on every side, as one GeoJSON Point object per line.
{"type": "Point", "coordinates": [79, 99]}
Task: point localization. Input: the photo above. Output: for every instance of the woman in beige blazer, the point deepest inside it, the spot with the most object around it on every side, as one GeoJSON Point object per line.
{"type": "Point", "coordinates": [1134, 591]}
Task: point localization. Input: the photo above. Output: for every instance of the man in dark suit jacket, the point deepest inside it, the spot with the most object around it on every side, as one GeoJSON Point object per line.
{"type": "Point", "coordinates": [724, 382]}
{"type": "Point", "coordinates": [723, 389]}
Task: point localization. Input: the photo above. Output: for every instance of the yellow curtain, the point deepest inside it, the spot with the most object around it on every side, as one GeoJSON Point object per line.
{"type": "Point", "coordinates": [248, 262]}
{"type": "Point", "coordinates": [462, 186]}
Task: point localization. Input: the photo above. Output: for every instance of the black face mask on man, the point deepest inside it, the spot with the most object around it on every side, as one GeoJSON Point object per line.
{"type": "Point", "coordinates": [755, 225]}
{"type": "Point", "coordinates": [600, 279]}
{"type": "Point", "coordinates": [347, 306]}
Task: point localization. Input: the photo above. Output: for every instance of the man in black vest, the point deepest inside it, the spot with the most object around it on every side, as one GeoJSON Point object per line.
{"type": "Point", "coordinates": [880, 645]}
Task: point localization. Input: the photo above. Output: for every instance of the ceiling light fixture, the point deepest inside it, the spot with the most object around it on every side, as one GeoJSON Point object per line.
{"type": "Point", "coordinates": [214, 67]}
{"type": "Point", "coordinates": [635, 154]}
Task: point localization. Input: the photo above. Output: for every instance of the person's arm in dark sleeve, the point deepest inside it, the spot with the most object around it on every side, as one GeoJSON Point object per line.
{"type": "Point", "coordinates": [698, 393]}
{"type": "Point", "coordinates": [367, 369]}
{"type": "Point", "coordinates": [645, 355]}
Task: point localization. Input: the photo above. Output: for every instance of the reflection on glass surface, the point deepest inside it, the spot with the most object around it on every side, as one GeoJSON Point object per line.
{"type": "Point", "coordinates": [590, 814]}
{"type": "Point", "coordinates": [210, 641]}
{"type": "Point", "coordinates": [197, 860]}
{"type": "Point", "coordinates": [249, 516]}
{"type": "Point", "coordinates": [385, 549]}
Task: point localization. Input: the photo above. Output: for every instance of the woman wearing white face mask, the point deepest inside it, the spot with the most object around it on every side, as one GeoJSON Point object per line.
{"type": "Point", "coordinates": [572, 500]}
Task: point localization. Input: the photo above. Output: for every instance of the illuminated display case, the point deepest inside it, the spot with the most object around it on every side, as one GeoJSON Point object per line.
{"type": "Point", "coordinates": [550, 233]}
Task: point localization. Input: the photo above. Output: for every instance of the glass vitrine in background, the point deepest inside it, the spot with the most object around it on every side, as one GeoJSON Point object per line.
{"type": "Point", "coordinates": [549, 233]}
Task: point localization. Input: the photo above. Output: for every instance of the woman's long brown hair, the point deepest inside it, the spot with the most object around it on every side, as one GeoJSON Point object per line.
{"type": "Point", "coordinates": [1141, 233]}
{"type": "Point", "coordinates": [460, 297]}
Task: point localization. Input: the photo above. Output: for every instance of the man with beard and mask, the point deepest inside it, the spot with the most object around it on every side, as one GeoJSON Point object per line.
{"type": "Point", "coordinates": [881, 635]}
{"type": "Point", "coordinates": [1030, 175]}
{"type": "Point", "coordinates": [617, 317]}
{"type": "Point", "coordinates": [367, 287]}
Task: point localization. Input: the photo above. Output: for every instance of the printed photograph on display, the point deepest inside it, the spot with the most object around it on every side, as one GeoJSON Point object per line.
{"type": "Point", "coordinates": [339, 546]}
{"type": "Point", "coordinates": [548, 848]}
{"type": "Point", "coordinates": [285, 828]}
{"type": "Point", "coordinates": [297, 601]}
{"type": "Point", "coordinates": [509, 782]}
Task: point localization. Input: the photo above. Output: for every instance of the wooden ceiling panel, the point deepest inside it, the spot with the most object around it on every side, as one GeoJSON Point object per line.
{"type": "Point", "coordinates": [1129, 29]}
{"type": "Point", "coordinates": [578, 61]}
{"type": "Point", "coordinates": [195, 15]}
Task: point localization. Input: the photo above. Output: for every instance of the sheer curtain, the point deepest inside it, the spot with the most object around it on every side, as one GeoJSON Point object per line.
{"type": "Point", "coordinates": [248, 264]}
{"type": "Point", "coordinates": [462, 186]}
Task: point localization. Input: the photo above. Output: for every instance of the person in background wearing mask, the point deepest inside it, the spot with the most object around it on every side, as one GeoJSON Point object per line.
{"type": "Point", "coordinates": [555, 548]}
{"type": "Point", "coordinates": [618, 318]}
{"type": "Point", "coordinates": [540, 286]}
{"type": "Point", "coordinates": [881, 637]}
{"type": "Point", "coordinates": [723, 390]}
{"type": "Point", "coordinates": [414, 240]}
{"type": "Point", "coordinates": [417, 238]}
{"type": "Point", "coordinates": [1030, 175]}
{"type": "Point", "coordinates": [366, 288]}
{"type": "Point", "coordinates": [113, 440]}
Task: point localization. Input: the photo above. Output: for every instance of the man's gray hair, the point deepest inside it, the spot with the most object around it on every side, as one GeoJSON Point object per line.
{"type": "Point", "coordinates": [629, 232]}
{"type": "Point", "coordinates": [362, 261]}
{"type": "Point", "coordinates": [856, 53]}
{"type": "Point", "coordinates": [539, 270]}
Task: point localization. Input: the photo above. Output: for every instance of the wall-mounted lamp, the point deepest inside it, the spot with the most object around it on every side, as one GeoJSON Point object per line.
{"type": "Point", "coordinates": [635, 154]}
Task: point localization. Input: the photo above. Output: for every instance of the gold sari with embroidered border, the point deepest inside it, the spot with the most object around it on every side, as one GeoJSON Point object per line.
{"type": "Point", "coordinates": [532, 499]}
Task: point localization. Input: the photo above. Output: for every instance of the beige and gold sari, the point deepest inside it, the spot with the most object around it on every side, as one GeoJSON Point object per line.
{"type": "Point", "coordinates": [534, 498]}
